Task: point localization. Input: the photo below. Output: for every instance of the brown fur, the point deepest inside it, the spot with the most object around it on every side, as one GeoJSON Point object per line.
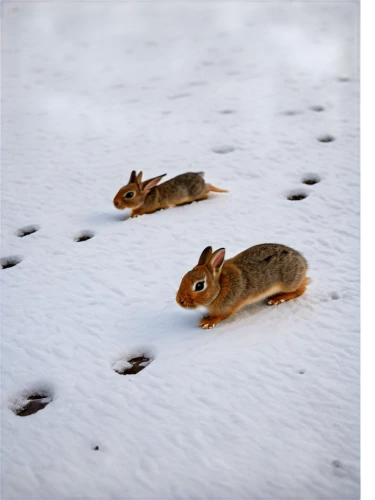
{"type": "Point", "coordinates": [262, 271]}
{"type": "Point", "coordinates": [148, 197]}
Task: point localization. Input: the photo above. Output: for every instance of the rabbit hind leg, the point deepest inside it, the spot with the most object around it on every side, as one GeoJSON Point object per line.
{"type": "Point", "coordinates": [285, 296]}
{"type": "Point", "coordinates": [201, 198]}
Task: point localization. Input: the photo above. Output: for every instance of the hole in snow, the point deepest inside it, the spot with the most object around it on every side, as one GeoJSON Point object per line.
{"type": "Point", "coordinates": [343, 79]}
{"type": "Point", "coordinates": [11, 261]}
{"type": "Point", "coordinates": [326, 138]}
{"type": "Point", "coordinates": [132, 366]}
{"type": "Point", "coordinates": [335, 296]}
{"type": "Point", "coordinates": [32, 404]}
{"type": "Point", "coordinates": [302, 372]}
{"type": "Point", "coordinates": [25, 231]}
{"type": "Point", "coordinates": [84, 236]}
{"type": "Point", "coordinates": [223, 150]}
{"type": "Point", "coordinates": [311, 179]}
{"type": "Point", "coordinates": [317, 108]}
{"type": "Point", "coordinates": [296, 196]}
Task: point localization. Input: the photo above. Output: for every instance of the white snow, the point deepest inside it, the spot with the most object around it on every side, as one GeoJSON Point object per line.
{"type": "Point", "coordinates": [266, 405]}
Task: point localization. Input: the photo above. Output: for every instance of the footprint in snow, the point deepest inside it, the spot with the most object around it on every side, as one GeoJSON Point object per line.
{"type": "Point", "coordinates": [331, 296]}
{"type": "Point", "coordinates": [297, 195]}
{"type": "Point", "coordinates": [27, 230]}
{"type": "Point", "coordinates": [311, 179]}
{"type": "Point", "coordinates": [131, 365]}
{"type": "Point", "coordinates": [32, 403]}
{"type": "Point", "coordinates": [317, 108]}
{"type": "Point", "coordinates": [223, 150]}
{"type": "Point", "coordinates": [326, 138]}
{"type": "Point", "coordinates": [10, 261]}
{"type": "Point", "coordinates": [84, 235]}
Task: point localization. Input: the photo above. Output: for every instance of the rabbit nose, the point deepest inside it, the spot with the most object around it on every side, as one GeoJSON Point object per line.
{"type": "Point", "coordinates": [116, 203]}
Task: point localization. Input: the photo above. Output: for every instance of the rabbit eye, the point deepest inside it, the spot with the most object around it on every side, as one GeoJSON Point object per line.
{"type": "Point", "coordinates": [129, 194]}
{"type": "Point", "coordinates": [199, 286]}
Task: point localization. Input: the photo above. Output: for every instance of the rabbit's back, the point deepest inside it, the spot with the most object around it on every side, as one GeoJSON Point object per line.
{"type": "Point", "coordinates": [266, 264]}
{"type": "Point", "coordinates": [182, 186]}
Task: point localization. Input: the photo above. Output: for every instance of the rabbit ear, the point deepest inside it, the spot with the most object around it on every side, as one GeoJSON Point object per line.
{"type": "Point", "coordinates": [205, 255]}
{"type": "Point", "coordinates": [133, 177]}
{"type": "Point", "coordinates": [217, 259]}
{"type": "Point", "coordinates": [147, 185]}
{"type": "Point", "coordinates": [139, 179]}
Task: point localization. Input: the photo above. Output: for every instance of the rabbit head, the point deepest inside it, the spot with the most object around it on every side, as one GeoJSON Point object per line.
{"type": "Point", "coordinates": [200, 286]}
{"type": "Point", "coordinates": [134, 193]}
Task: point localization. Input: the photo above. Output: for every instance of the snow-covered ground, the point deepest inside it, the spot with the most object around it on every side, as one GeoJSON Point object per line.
{"type": "Point", "coordinates": [265, 406]}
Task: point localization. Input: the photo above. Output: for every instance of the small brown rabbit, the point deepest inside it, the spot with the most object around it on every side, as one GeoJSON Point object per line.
{"type": "Point", "coordinates": [264, 271]}
{"type": "Point", "coordinates": [146, 197]}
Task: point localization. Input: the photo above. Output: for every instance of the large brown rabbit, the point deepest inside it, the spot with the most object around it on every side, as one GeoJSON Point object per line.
{"type": "Point", "coordinates": [270, 270]}
{"type": "Point", "coordinates": [145, 197]}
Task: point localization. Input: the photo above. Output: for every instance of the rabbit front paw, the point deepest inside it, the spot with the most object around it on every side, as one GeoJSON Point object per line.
{"type": "Point", "coordinates": [209, 322]}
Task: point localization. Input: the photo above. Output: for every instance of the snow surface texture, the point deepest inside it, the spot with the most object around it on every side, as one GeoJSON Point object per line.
{"type": "Point", "coordinates": [265, 406]}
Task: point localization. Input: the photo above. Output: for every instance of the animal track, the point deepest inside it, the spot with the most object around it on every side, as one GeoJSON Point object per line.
{"type": "Point", "coordinates": [132, 365]}
{"type": "Point", "coordinates": [326, 138]}
{"type": "Point", "coordinates": [11, 261]}
{"type": "Point", "coordinates": [84, 235]}
{"type": "Point", "coordinates": [311, 179]}
{"type": "Point", "coordinates": [223, 150]}
{"type": "Point", "coordinates": [331, 296]}
{"type": "Point", "coordinates": [33, 403]}
{"type": "Point", "coordinates": [25, 231]}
